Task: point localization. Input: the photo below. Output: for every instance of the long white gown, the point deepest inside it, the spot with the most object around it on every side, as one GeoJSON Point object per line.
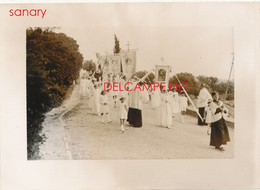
{"type": "Point", "coordinates": [155, 98]}
{"type": "Point", "coordinates": [175, 102]}
{"type": "Point", "coordinates": [165, 110]}
{"type": "Point", "coordinates": [97, 94]}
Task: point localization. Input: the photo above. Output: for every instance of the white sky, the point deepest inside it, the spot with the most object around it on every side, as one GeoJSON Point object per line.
{"type": "Point", "coordinates": [183, 35]}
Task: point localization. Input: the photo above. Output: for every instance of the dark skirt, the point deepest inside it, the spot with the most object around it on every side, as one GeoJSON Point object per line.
{"type": "Point", "coordinates": [219, 133]}
{"type": "Point", "coordinates": [201, 112]}
{"type": "Point", "coordinates": [134, 117]}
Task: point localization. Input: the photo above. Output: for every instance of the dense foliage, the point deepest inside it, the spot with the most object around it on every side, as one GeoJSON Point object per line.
{"type": "Point", "coordinates": [212, 84]}
{"type": "Point", "coordinates": [53, 63]}
{"type": "Point", "coordinates": [89, 65]}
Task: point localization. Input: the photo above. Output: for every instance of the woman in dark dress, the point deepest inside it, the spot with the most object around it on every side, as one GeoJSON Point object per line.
{"type": "Point", "coordinates": [219, 131]}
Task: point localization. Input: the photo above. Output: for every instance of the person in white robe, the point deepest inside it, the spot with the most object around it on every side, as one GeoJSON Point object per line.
{"type": "Point", "coordinates": [202, 102]}
{"type": "Point", "coordinates": [136, 99]}
{"type": "Point", "coordinates": [97, 93]}
{"type": "Point", "coordinates": [123, 108]}
{"type": "Point", "coordinates": [104, 109]}
{"type": "Point", "coordinates": [165, 110]}
{"type": "Point", "coordinates": [155, 96]}
{"type": "Point", "coordinates": [86, 87]}
{"type": "Point", "coordinates": [183, 105]}
{"type": "Point", "coordinates": [124, 92]}
{"type": "Point", "coordinates": [91, 92]}
{"type": "Point", "coordinates": [207, 116]}
{"type": "Point", "coordinates": [115, 93]}
{"type": "Point", "coordinates": [175, 102]}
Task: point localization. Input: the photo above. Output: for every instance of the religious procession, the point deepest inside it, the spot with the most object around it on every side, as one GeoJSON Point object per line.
{"type": "Point", "coordinates": [167, 102]}
{"type": "Point", "coordinates": [127, 103]}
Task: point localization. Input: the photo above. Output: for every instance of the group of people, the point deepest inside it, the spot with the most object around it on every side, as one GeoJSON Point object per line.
{"type": "Point", "coordinates": [168, 103]}
{"type": "Point", "coordinates": [99, 99]}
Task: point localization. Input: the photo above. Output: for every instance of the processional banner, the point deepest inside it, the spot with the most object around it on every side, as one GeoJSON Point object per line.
{"type": "Point", "coordinates": [114, 62]}
{"type": "Point", "coordinates": [128, 60]}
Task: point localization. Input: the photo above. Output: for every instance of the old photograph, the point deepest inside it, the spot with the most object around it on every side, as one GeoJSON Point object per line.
{"type": "Point", "coordinates": [130, 93]}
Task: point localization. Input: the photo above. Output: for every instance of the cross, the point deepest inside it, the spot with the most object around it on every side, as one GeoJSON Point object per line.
{"type": "Point", "coordinates": [128, 44]}
{"type": "Point", "coordinates": [162, 59]}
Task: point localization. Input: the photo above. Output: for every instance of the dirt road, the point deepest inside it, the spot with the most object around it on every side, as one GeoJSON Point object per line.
{"type": "Point", "coordinates": [90, 139]}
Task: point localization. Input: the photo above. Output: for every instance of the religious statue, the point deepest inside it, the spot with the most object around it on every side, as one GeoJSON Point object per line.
{"type": "Point", "coordinates": [161, 75]}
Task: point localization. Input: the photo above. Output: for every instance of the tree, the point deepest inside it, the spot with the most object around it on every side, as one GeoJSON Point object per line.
{"type": "Point", "coordinates": [203, 79]}
{"type": "Point", "coordinates": [89, 65]}
{"type": "Point", "coordinates": [53, 62]}
{"type": "Point", "coordinates": [210, 82]}
{"type": "Point", "coordinates": [117, 48]}
{"type": "Point", "coordinates": [213, 84]}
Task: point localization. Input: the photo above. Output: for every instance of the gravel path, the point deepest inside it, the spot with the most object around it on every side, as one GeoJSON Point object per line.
{"type": "Point", "coordinates": [91, 139]}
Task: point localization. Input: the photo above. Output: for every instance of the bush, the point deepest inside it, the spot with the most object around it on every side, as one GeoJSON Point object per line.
{"type": "Point", "coordinates": [53, 61]}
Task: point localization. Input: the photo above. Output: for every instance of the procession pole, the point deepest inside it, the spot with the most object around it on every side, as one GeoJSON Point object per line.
{"type": "Point", "coordinates": [231, 65]}
{"type": "Point", "coordinates": [229, 78]}
{"type": "Point", "coordinates": [146, 75]}
{"type": "Point", "coordinates": [189, 98]}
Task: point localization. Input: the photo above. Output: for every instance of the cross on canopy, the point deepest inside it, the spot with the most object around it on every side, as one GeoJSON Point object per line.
{"type": "Point", "coordinates": [128, 44]}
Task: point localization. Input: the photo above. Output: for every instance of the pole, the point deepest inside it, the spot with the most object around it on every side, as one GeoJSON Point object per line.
{"type": "Point", "coordinates": [231, 65]}
{"type": "Point", "coordinates": [229, 78]}
{"type": "Point", "coordinates": [146, 75]}
{"type": "Point", "coordinates": [189, 98]}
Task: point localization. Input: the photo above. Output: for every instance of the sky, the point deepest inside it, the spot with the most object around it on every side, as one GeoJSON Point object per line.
{"type": "Point", "coordinates": [192, 38]}
{"type": "Point", "coordinates": [194, 49]}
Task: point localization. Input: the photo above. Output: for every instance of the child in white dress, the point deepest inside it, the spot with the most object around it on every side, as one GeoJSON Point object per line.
{"type": "Point", "coordinates": [183, 105]}
{"type": "Point", "coordinates": [96, 98]}
{"type": "Point", "coordinates": [123, 109]}
{"type": "Point", "coordinates": [207, 116]}
{"type": "Point", "coordinates": [104, 106]}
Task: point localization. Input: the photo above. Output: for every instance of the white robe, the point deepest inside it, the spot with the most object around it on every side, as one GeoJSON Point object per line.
{"type": "Point", "coordinates": [203, 98]}
{"type": "Point", "coordinates": [175, 102]}
{"type": "Point", "coordinates": [156, 98]}
{"type": "Point", "coordinates": [165, 110]}
{"type": "Point", "coordinates": [183, 103]}
{"type": "Point", "coordinates": [123, 108]}
{"type": "Point", "coordinates": [137, 97]}
{"type": "Point", "coordinates": [103, 99]}
{"type": "Point", "coordinates": [213, 107]}
{"type": "Point", "coordinates": [97, 94]}
{"type": "Point", "coordinates": [207, 114]}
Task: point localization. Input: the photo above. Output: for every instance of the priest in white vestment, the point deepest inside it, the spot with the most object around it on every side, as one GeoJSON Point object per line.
{"type": "Point", "coordinates": [204, 97]}
{"type": "Point", "coordinates": [135, 102]}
